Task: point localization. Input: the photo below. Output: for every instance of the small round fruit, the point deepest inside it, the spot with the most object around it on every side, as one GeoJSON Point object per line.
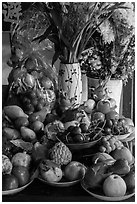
{"type": "Point", "coordinates": [89, 105]}
{"type": "Point", "coordinates": [25, 101]}
{"type": "Point", "coordinates": [74, 170]}
{"type": "Point", "coordinates": [109, 123]}
{"type": "Point", "coordinates": [32, 95]}
{"type": "Point", "coordinates": [78, 138]}
{"type": "Point", "coordinates": [36, 126]}
{"type": "Point", "coordinates": [112, 115]}
{"type": "Point", "coordinates": [103, 106]}
{"type": "Point", "coordinates": [34, 102]}
{"type": "Point", "coordinates": [87, 138]}
{"type": "Point", "coordinates": [76, 130]}
{"type": "Point", "coordinates": [46, 82]}
{"type": "Point", "coordinates": [70, 128]}
{"type": "Point", "coordinates": [34, 117]}
{"type": "Point", "coordinates": [84, 127]}
{"type": "Point", "coordinates": [30, 64]}
{"type": "Point", "coordinates": [9, 182]}
{"type": "Point", "coordinates": [29, 108]}
{"type": "Point", "coordinates": [39, 106]}
{"type": "Point", "coordinates": [22, 174]}
{"type": "Point", "coordinates": [114, 186]}
{"type": "Point", "coordinates": [107, 131]}
{"type": "Point", "coordinates": [98, 116]}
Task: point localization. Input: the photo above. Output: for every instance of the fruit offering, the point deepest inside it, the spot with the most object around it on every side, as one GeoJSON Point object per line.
{"type": "Point", "coordinates": [15, 172]}
{"type": "Point", "coordinates": [81, 132]}
{"type": "Point", "coordinates": [52, 172]}
{"type": "Point", "coordinates": [32, 87]}
{"type": "Point", "coordinates": [110, 177]}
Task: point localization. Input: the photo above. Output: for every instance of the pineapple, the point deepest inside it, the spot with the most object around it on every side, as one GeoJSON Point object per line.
{"type": "Point", "coordinates": [60, 154]}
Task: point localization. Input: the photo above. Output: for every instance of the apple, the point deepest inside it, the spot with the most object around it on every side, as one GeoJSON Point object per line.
{"type": "Point", "coordinates": [22, 174]}
{"type": "Point", "coordinates": [103, 106]}
{"type": "Point", "coordinates": [122, 153]}
{"type": "Point", "coordinates": [46, 82]}
{"type": "Point", "coordinates": [89, 105]}
{"type": "Point", "coordinates": [114, 186]}
{"type": "Point", "coordinates": [74, 171]}
{"type": "Point", "coordinates": [9, 182]}
{"type": "Point", "coordinates": [98, 116]}
{"type": "Point", "coordinates": [112, 115]}
{"type": "Point", "coordinates": [112, 102]}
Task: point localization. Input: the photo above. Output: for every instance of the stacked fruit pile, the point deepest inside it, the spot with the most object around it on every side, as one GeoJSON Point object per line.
{"type": "Point", "coordinates": [31, 141]}
{"type": "Point", "coordinates": [112, 175]}
{"type": "Point", "coordinates": [94, 119]}
{"type": "Point", "coordinates": [31, 86]}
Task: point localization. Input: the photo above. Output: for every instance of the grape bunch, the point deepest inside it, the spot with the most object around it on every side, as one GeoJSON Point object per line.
{"type": "Point", "coordinates": [110, 143]}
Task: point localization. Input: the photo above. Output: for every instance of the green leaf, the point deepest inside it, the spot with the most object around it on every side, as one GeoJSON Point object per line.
{"type": "Point", "coordinates": [27, 146]}
{"type": "Point", "coordinates": [55, 56]}
{"type": "Point", "coordinates": [43, 36]}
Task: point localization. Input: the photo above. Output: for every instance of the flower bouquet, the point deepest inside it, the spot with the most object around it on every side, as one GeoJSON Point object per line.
{"type": "Point", "coordinates": [112, 54]}
{"type": "Point", "coordinates": [72, 29]}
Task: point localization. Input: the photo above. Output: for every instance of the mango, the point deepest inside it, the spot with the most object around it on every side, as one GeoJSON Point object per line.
{"type": "Point", "coordinates": [27, 134]}
{"type": "Point", "coordinates": [10, 133]}
{"type": "Point", "coordinates": [14, 112]}
{"type": "Point", "coordinates": [21, 121]}
{"type": "Point", "coordinates": [40, 115]}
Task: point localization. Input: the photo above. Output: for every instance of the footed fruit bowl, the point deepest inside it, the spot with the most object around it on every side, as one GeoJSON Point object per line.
{"type": "Point", "coordinates": [17, 190]}
{"type": "Point", "coordinates": [62, 183]}
{"type": "Point", "coordinates": [76, 139]}
{"type": "Point", "coordinates": [98, 193]}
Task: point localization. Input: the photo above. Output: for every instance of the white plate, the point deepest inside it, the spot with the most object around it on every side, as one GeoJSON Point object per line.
{"type": "Point", "coordinates": [122, 137]}
{"type": "Point", "coordinates": [17, 190]}
{"type": "Point", "coordinates": [60, 183]}
{"type": "Point", "coordinates": [106, 198]}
